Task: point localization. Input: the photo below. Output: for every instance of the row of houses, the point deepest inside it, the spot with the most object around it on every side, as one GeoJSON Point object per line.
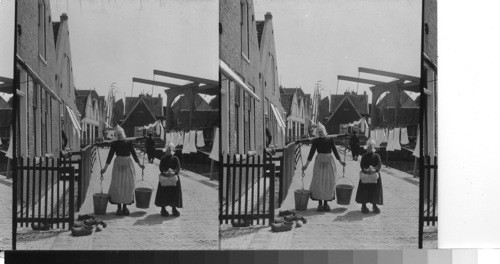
{"type": "Point", "coordinates": [50, 106]}
{"type": "Point", "coordinates": [253, 101]}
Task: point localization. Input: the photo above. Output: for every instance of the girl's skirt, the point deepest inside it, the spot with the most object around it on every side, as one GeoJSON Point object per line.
{"type": "Point", "coordinates": [121, 189]}
{"type": "Point", "coordinates": [324, 177]}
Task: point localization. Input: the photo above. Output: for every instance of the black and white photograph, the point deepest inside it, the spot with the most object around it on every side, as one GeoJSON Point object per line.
{"type": "Point", "coordinates": [321, 105]}
{"type": "Point", "coordinates": [7, 25]}
{"type": "Point", "coordinates": [118, 126]}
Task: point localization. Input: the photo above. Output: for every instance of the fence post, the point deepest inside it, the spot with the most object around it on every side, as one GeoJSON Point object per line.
{"type": "Point", "coordinates": [71, 197]}
{"type": "Point", "coordinates": [271, 193]}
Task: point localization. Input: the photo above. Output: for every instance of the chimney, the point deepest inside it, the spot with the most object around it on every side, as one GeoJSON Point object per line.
{"type": "Point", "coordinates": [64, 17]}
{"type": "Point", "coordinates": [268, 16]}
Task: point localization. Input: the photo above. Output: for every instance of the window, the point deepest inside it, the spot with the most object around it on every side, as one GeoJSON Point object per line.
{"type": "Point", "coordinates": [245, 47]}
{"type": "Point", "coordinates": [42, 37]}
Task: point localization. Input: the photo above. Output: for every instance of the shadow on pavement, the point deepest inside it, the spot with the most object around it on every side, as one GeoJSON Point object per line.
{"type": "Point", "coordinates": [155, 219]}
{"type": "Point", "coordinates": [353, 216]}
{"type": "Point", "coordinates": [113, 216]}
{"type": "Point", "coordinates": [32, 235]}
{"type": "Point", "coordinates": [241, 231]}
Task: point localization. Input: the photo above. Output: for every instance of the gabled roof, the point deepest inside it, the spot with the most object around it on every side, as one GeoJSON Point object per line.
{"type": "Point", "coordinates": [93, 93]}
{"type": "Point", "coordinates": [215, 103]}
{"type": "Point", "coordinates": [404, 99]}
{"type": "Point", "coordinates": [4, 104]}
{"type": "Point", "coordinates": [81, 104]}
{"type": "Point", "coordinates": [155, 104]}
{"type": "Point", "coordinates": [200, 104]}
{"type": "Point", "coordinates": [260, 28]}
{"type": "Point", "coordinates": [360, 102]}
{"type": "Point", "coordinates": [55, 26]}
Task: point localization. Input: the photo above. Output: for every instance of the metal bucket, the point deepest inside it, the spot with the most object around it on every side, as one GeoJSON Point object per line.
{"type": "Point", "coordinates": [100, 203]}
{"type": "Point", "coordinates": [344, 192]}
{"type": "Point", "coordinates": [301, 199]}
{"type": "Point", "coordinates": [143, 196]}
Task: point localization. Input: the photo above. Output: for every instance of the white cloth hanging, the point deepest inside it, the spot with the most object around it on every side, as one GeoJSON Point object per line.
{"type": "Point", "coordinates": [416, 152]}
{"type": "Point", "coordinates": [192, 141]}
{"type": "Point", "coordinates": [404, 136]}
{"type": "Point", "coordinates": [200, 141]}
{"type": "Point", "coordinates": [367, 128]}
{"type": "Point", "coordinates": [185, 144]}
{"type": "Point", "coordinates": [10, 151]}
{"type": "Point", "coordinates": [390, 140]}
{"type": "Point", "coordinates": [384, 135]}
{"type": "Point", "coordinates": [214, 154]}
{"type": "Point", "coordinates": [397, 131]}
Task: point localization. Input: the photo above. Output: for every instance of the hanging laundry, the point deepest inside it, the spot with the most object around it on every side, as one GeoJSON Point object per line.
{"type": "Point", "coordinates": [384, 135]}
{"type": "Point", "coordinates": [404, 136]}
{"type": "Point", "coordinates": [215, 147]}
{"type": "Point", "coordinates": [185, 144]}
{"type": "Point", "coordinates": [367, 131]}
{"type": "Point", "coordinates": [200, 141]}
{"type": "Point", "coordinates": [167, 138]}
{"type": "Point", "coordinates": [158, 127]}
{"type": "Point", "coordinates": [192, 141]}
{"type": "Point", "coordinates": [390, 140]}
{"type": "Point", "coordinates": [397, 131]}
{"type": "Point", "coordinates": [10, 150]}
{"type": "Point", "coordinates": [416, 152]}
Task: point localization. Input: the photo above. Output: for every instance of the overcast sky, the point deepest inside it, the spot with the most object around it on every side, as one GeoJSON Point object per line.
{"type": "Point", "coordinates": [115, 40]}
{"type": "Point", "coordinates": [320, 39]}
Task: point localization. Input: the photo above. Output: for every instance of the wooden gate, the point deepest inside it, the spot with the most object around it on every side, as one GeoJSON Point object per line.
{"type": "Point", "coordinates": [428, 196]}
{"type": "Point", "coordinates": [43, 195]}
{"type": "Point", "coordinates": [247, 190]}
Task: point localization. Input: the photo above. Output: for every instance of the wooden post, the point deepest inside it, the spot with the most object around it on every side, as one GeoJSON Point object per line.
{"type": "Point", "coordinates": [211, 170]}
{"type": "Point", "coordinates": [415, 165]}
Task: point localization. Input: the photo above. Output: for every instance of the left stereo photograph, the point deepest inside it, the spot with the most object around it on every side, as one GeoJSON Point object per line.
{"type": "Point", "coordinates": [110, 137]}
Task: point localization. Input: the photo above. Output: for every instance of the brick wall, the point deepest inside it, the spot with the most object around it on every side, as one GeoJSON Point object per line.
{"type": "Point", "coordinates": [430, 38]}
{"type": "Point", "coordinates": [27, 50]}
{"type": "Point", "coordinates": [230, 52]}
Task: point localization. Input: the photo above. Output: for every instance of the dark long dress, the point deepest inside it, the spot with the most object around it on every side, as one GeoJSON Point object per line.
{"type": "Point", "coordinates": [354, 143]}
{"type": "Point", "coordinates": [169, 195]}
{"type": "Point", "coordinates": [370, 192]}
{"type": "Point", "coordinates": [150, 148]}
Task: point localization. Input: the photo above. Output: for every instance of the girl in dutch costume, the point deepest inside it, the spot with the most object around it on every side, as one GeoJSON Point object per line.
{"type": "Point", "coordinates": [324, 172]}
{"type": "Point", "coordinates": [370, 192]}
{"type": "Point", "coordinates": [121, 189]}
{"type": "Point", "coordinates": [169, 193]}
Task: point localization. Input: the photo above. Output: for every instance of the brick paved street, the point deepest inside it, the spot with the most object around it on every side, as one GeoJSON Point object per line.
{"type": "Point", "coordinates": [5, 213]}
{"type": "Point", "coordinates": [143, 229]}
{"type": "Point", "coordinates": [345, 227]}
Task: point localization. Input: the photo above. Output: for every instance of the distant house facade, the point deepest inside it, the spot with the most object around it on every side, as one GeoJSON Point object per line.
{"type": "Point", "coordinates": [324, 110]}
{"type": "Point", "coordinates": [297, 106]}
{"type": "Point", "coordinates": [204, 116]}
{"type": "Point", "coordinates": [242, 115]}
{"type": "Point", "coordinates": [70, 116]}
{"type": "Point", "coordinates": [408, 115]}
{"type": "Point", "coordinates": [345, 109]}
{"type": "Point", "coordinates": [39, 114]}
{"type": "Point", "coordinates": [90, 105]}
{"type": "Point", "coordinates": [273, 110]}
{"type": "Point", "coordinates": [141, 111]}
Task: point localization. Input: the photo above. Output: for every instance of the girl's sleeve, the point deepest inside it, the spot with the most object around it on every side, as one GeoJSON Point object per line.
{"type": "Point", "coordinates": [132, 151]}
{"type": "Point", "coordinates": [311, 152]}
{"type": "Point", "coordinates": [334, 149]}
{"type": "Point", "coordinates": [379, 162]}
{"type": "Point", "coordinates": [177, 164]}
{"type": "Point", "coordinates": [111, 153]}
{"type": "Point", "coordinates": [162, 165]}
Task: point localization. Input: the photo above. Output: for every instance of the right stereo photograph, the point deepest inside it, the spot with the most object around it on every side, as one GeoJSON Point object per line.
{"type": "Point", "coordinates": [328, 124]}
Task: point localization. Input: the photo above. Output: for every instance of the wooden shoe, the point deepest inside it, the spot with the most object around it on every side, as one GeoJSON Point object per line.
{"type": "Point", "coordinates": [291, 218]}
{"type": "Point", "coordinates": [326, 208]}
{"type": "Point", "coordinates": [320, 208]}
{"type": "Point", "coordinates": [164, 213]}
{"type": "Point", "coordinates": [280, 227]}
{"type": "Point", "coordinates": [376, 210]}
{"type": "Point", "coordinates": [84, 217]}
{"type": "Point", "coordinates": [41, 226]}
{"type": "Point", "coordinates": [175, 212]}
{"type": "Point", "coordinates": [285, 213]}
{"type": "Point", "coordinates": [126, 211]}
{"type": "Point", "coordinates": [119, 212]}
{"type": "Point", "coordinates": [283, 220]}
{"type": "Point", "coordinates": [81, 231]}
{"type": "Point", "coordinates": [364, 210]}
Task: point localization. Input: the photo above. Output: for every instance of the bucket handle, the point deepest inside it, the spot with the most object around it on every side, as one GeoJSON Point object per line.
{"type": "Point", "coordinates": [100, 166]}
{"type": "Point", "coordinates": [144, 181]}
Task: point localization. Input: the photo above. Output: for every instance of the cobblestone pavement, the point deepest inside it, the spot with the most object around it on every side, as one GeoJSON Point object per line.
{"type": "Point", "coordinates": [5, 213]}
{"type": "Point", "coordinates": [143, 229]}
{"type": "Point", "coordinates": [344, 227]}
